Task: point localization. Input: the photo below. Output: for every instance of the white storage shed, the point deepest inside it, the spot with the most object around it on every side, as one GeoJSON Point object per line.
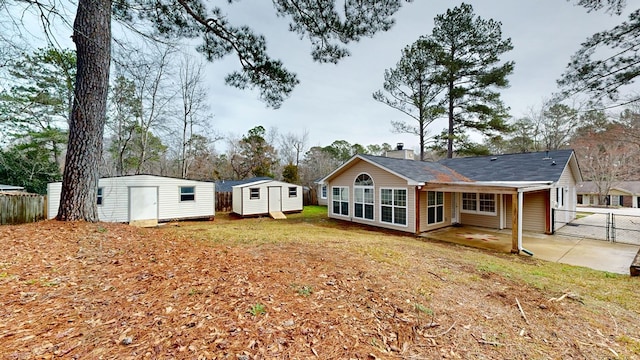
{"type": "Point", "coordinates": [146, 199]}
{"type": "Point", "coordinates": [267, 197]}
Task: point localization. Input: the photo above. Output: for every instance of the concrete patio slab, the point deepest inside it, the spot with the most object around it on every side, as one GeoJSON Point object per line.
{"type": "Point", "coordinates": [594, 254]}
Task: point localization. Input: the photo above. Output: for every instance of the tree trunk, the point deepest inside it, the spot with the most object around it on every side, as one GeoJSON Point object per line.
{"type": "Point", "coordinates": [92, 36]}
{"type": "Point", "coordinates": [451, 124]}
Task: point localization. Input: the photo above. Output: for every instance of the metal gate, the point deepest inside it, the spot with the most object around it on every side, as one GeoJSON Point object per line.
{"type": "Point", "coordinates": [599, 226]}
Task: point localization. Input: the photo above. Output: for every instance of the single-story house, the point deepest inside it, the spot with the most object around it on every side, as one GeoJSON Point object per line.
{"type": "Point", "coordinates": [621, 193]}
{"type": "Point", "coordinates": [513, 191]}
{"type": "Point", "coordinates": [267, 197]}
{"type": "Point", "coordinates": [8, 188]}
{"type": "Point", "coordinates": [146, 199]}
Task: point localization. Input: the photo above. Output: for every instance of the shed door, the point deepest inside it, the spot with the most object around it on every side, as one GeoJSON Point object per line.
{"type": "Point", "coordinates": [275, 198]}
{"type": "Point", "coordinates": [143, 203]}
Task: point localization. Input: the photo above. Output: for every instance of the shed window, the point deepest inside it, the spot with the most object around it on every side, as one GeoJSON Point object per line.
{"type": "Point", "coordinates": [293, 192]}
{"type": "Point", "coordinates": [187, 193]}
{"type": "Point", "coordinates": [99, 198]}
{"type": "Point", "coordinates": [479, 203]}
{"type": "Point", "coordinates": [254, 193]}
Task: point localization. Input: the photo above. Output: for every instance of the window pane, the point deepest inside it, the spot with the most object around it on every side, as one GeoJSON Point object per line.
{"type": "Point", "coordinates": [431, 215]}
{"type": "Point", "coordinates": [324, 192]}
{"type": "Point", "coordinates": [400, 216]}
{"type": "Point", "coordinates": [487, 203]}
{"type": "Point", "coordinates": [336, 207]}
{"type": "Point", "coordinates": [440, 214]}
{"type": "Point", "coordinates": [440, 199]}
{"type": "Point", "coordinates": [345, 208]}
{"type": "Point", "coordinates": [344, 194]}
{"type": "Point", "coordinates": [363, 180]}
{"type": "Point", "coordinates": [368, 196]}
{"type": "Point", "coordinates": [386, 214]}
{"type": "Point", "coordinates": [400, 197]}
{"type": "Point", "coordinates": [368, 212]}
{"type": "Point", "coordinates": [469, 201]}
{"type": "Point", "coordinates": [357, 209]}
{"type": "Point", "coordinates": [431, 198]}
{"type": "Point", "coordinates": [358, 194]}
{"type": "Point", "coordinates": [293, 192]}
{"type": "Point", "coordinates": [187, 190]}
{"type": "Point", "coordinates": [336, 192]}
{"type": "Point", "coordinates": [385, 196]}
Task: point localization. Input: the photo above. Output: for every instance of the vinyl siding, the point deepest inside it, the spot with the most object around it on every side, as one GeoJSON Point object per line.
{"type": "Point", "coordinates": [534, 215]}
{"type": "Point", "coordinates": [243, 205]}
{"type": "Point", "coordinates": [568, 182]}
{"type": "Point", "coordinates": [381, 179]}
{"type": "Point", "coordinates": [490, 221]}
{"type": "Point", "coordinates": [115, 198]}
{"type": "Point", "coordinates": [424, 214]}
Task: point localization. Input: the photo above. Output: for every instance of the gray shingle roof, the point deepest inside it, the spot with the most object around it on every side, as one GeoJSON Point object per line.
{"type": "Point", "coordinates": [227, 185]}
{"type": "Point", "coordinates": [420, 171]}
{"type": "Point", "coordinates": [534, 166]}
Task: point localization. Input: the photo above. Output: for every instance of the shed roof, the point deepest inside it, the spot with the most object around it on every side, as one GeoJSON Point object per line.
{"type": "Point", "coordinates": [227, 185]}
{"type": "Point", "coordinates": [4, 187]}
{"type": "Point", "coordinates": [533, 166]}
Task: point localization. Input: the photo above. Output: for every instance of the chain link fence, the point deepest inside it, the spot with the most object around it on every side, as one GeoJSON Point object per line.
{"type": "Point", "coordinates": [599, 226]}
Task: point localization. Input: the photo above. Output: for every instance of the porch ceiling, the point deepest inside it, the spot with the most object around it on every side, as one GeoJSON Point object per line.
{"type": "Point", "coordinates": [488, 187]}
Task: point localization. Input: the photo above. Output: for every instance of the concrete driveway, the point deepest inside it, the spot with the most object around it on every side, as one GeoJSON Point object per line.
{"type": "Point", "coordinates": [594, 254]}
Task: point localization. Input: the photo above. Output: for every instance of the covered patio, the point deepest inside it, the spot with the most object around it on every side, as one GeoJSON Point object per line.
{"type": "Point", "coordinates": [594, 254]}
{"type": "Point", "coordinates": [512, 239]}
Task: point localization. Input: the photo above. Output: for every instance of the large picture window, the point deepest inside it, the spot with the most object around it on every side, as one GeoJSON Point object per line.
{"type": "Point", "coordinates": [435, 207]}
{"type": "Point", "coordinates": [363, 197]}
{"type": "Point", "coordinates": [340, 200]}
{"type": "Point", "coordinates": [479, 203]}
{"type": "Point", "coordinates": [393, 206]}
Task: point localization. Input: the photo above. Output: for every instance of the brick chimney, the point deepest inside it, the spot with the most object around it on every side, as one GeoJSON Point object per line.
{"type": "Point", "coordinates": [400, 153]}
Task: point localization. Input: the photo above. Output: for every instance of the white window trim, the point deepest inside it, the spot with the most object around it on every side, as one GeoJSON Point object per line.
{"type": "Point", "coordinates": [373, 192]}
{"type": "Point", "coordinates": [295, 190]}
{"type": "Point", "coordinates": [180, 193]}
{"type": "Point", "coordinates": [364, 203]}
{"type": "Point", "coordinates": [323, 192]}
{"type": "Point", "coordinates": [255, 198]}
{"type": "Point", "coordinates": [406, 207]}
{"type": "Point", "coordinates": [477, 211]}
{"type": "Point", "coordinates": [331, 202]}
{"type": "Point", "coordinates": [436, 206]}
{"type": "Point", "coordinates": [100, 196]}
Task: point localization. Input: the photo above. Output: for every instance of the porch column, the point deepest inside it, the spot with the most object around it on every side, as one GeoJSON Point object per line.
{"type": "Point", "coordinates": [515, 228]}
{"type": "Point", "coordinates": [417, 217]}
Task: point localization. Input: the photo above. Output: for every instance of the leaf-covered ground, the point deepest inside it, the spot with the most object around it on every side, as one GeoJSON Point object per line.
{"type": "Point", "coordinates": [229, 289]}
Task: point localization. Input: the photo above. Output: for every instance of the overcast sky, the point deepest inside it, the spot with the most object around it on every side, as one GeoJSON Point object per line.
{"type": "Point", "coordinates": [333, 102]}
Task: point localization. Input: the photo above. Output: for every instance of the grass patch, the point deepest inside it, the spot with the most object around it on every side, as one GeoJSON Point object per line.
{"type": "Point", "coordinates": [580, 215]}
{"type": "Point", "coordinates": [257, 309]}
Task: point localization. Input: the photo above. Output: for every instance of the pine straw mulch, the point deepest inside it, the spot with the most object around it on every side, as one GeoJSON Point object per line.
{"type": "Point", "coordinates": [110, 291]}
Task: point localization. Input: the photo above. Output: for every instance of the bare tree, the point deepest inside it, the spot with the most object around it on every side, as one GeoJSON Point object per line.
{"type": "Point", "coordinates": [293, 147]}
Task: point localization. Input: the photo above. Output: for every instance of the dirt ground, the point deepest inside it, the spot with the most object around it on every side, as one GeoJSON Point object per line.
{"type": "Point", "coordinates": [110, 291]}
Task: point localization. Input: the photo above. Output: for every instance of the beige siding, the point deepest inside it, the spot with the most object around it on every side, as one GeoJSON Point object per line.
{"type": "Point", "coordinates": [381, 179]}
{"type": "Point", "coordinates": [490, 221]}
{"type": "Point", "coordinates": [424, 214]}
{"type": "Point", "coordinates": [115, 197]}
{"type": "Point", "coordinates": [322, 201]}
{"type": "Point", "coordinates": [534, 212]}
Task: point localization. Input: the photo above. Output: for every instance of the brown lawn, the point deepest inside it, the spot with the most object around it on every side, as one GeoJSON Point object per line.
{"type": "Point", "coordinates": [301, 288]}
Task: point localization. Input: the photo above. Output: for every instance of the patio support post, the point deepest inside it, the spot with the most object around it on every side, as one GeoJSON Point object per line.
{"type": "Point", "coordinates": [520, 208]}
{"type": "Point", "coordinates": [515, 229]}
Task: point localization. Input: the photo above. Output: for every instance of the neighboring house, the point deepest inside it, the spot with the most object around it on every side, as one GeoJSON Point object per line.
{"type": "Point", "coordinates": [514, 191]}
{"type": "Point", "coordinates": [322, 192]}
{"type": "Point", "coordinates": [9, 188]}
{"type": "Point", "coordinates": [146, 199]}
{"type": "Point", "coordinates": [267, 197]}
{"type": "Point", "coordinates": [621, 193]}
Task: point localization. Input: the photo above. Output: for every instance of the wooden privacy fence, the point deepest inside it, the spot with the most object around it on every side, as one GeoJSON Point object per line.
{"type": "Point", "coordinates": [224, 201]}
{"type": "Point", "coordinates": [21, 208]}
